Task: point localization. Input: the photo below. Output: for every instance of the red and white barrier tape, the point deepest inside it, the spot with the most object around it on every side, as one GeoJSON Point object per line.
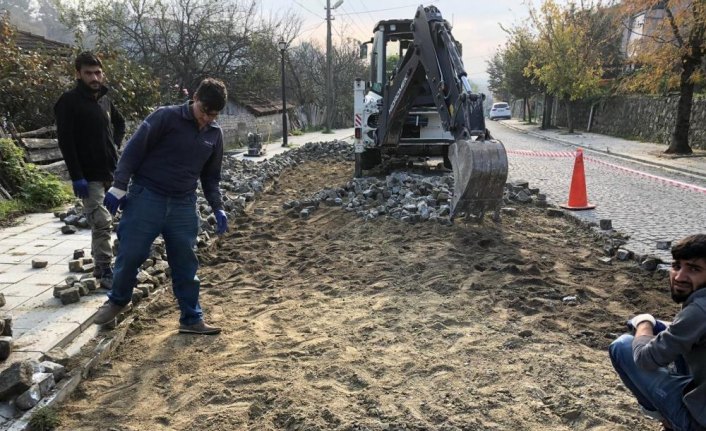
{"type": "Point", "coordinates": [675, 183]}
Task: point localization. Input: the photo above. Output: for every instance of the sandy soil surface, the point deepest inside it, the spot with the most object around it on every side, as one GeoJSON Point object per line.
{"type": "Point", "coordinates": [334, 323]}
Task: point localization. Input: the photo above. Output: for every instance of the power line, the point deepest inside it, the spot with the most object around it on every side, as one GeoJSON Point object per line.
{"type": "Point", "coordinates": [308, 10]}
{"type": "Point", "coordinates": [384, 10]}
{"type": "Point", "coordinates": [353, 21]}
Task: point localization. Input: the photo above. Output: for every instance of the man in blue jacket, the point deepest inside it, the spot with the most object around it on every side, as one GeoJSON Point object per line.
{"type": "Point", "coordinates": [155, 185]}
{"type": "Point", "coordinates": [90, 130]}
{"type": "Point", "coordinates": [676, 395]}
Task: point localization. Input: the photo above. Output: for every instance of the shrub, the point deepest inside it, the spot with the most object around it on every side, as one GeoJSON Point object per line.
{"type": "Point", "coordinates": [34, 188]}
{"type": "Point", "coordinates": [44, 419]}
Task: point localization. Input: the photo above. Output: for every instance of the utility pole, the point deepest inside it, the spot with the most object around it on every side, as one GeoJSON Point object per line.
{"type": "Point", "coordinates": [329, 69]}
{"type": "Point", "coordinates": [329, 72]}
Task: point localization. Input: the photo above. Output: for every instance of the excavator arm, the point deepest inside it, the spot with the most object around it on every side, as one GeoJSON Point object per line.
{"type": "Point", "coordinates": [433, 63]}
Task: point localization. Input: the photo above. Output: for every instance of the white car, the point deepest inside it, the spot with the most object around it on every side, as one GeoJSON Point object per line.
{"type": "Point", "coordinates": [500, 110]}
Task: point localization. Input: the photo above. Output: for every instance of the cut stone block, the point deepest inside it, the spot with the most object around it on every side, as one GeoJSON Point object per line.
{"type": "Point", "coordinates": [623, 254]}
{"type": "Point", "coordinates": [57, 355]}
{"type": "Point", "coordinates": [15, 380]}
{"type": "Point", "coordinates": [60, 288]}
{"type": "Point", "coordinates": [75, 265]}
{"type": "Point", "coordinates": [70, 280]}
{"type": "Point", "coordinates": [605, 224]}
{"type": "Point", "coordinates": [664, 245]}
{"type": "Point", "coordinates": [86, 260]}
{"type": "Point", "coordinates": [137, 296]}
{"type": "Point", "coordinates": [68, 230]}
{"type": "Point", "coordinates": [70, 295]}
{"type": "Point", "coordinates": [7, 327]}
{"type": "Point", "coordinates": [71, 219]}
{"type": "Point", "coordinates": [606, 260]}
{"type": "Point", "coordinates": [39, 263]}
{"type": "Point", "coordinates": [29, 398]}
{"type": "Point", "coordinates": [82, 289]}
{"type": "Point", "coordinates": [79, 253]}
{"type": "Point", "coordinates": [90, 283]}
{"type": "Point", "coordinates": [143, 277]}
{"type": "Point", "coordinates": [649, 264]}
{"type": "Point", "coordinates": [144, 288]}
{"type": "Point", "coordinates": [88, 268]}
{"type": "Point", "coordinates": [45, 381]}
{"type": "Point", "coordinates": [5, 347]}
{"type": "Point", "coordinates": [57, 370]}
{"type": "Point", "coordinates": [83, 223]}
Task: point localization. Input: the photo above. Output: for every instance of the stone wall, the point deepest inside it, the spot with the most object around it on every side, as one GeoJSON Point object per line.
{"type": "Point", "coordinates": [646, 118]}
{"type": "Point", "coordinates": [237, 125]}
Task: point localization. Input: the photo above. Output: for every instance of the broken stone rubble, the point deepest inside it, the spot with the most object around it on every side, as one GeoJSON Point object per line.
{"type": "Point", "coordinates": [25, 383]}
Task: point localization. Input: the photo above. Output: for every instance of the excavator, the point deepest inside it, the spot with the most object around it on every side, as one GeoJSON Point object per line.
{"type": "Point", "coordinates": [425, 107]}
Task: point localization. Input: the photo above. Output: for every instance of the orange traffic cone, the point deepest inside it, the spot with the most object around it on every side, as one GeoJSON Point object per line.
{"type": "Point", "coordinates": [578, 200]}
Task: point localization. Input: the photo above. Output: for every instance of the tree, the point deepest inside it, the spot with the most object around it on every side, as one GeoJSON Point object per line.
{"type": "Point", "coordinates": [308, 68]}
{"type": "Point", "coordinates": [181, 41]}
{"type": "Point", "coordinates": [568, 60]}
{"type": "Point", "coordinates": [30, 82]}
{"type": "Point", "coordinates": [669, 52]}
{"type": "Point", "coordinates": [521, 48]}
{"type": "Point", "coordinates": [497, 83]}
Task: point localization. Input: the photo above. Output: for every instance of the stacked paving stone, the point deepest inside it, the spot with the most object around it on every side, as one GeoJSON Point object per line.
{"type": "Point", "coordinates": [24, 384]}
{"type": "Point", "coordinates": [408, 197]}
{"type": "Point", "coordinates": [73, 219]}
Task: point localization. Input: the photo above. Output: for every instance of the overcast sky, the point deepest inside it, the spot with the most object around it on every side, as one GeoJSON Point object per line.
{"type": "Point", "coordinates": [475, 23]}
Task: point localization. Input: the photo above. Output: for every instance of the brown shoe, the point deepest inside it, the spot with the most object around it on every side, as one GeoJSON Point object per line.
{"type": "Point", "coordinates": [201, 328]}
{"type": "Point", "coordinates": [107, 313]}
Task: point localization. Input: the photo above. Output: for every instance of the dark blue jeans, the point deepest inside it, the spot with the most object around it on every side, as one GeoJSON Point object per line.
{"type": "Point", "coordinates": [657, 390]}
{"type": "Point", "coordinates": [145, 216]}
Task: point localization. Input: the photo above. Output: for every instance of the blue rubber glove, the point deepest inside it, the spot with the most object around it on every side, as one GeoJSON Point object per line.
{"type": "Point", "coordinates": [221, 222]}
{"type": "Point", "coordinates": [80, 188]}
{"type": "Point", "coordinates": [114, 200]}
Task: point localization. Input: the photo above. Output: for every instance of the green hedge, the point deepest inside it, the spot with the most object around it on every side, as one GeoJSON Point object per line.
{"type": "Point", "coordinates": [34, 189]}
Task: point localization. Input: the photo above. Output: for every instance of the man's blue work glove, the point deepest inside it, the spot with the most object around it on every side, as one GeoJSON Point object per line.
{"type": "Point", "coordinates": [114, 200]}
{"type": "Point", "coordinates": [80, 188]}
{"type": "Point", "coordinates": [657, 325]}
{"type": "Point", "coordinates": [221, 222]}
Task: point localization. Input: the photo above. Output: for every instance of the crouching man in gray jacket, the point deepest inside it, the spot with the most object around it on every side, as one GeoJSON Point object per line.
{"type": "Point", "coordinates": [675, 395]}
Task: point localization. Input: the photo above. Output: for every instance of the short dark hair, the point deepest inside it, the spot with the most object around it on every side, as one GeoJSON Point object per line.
{"type": "Point", "coordinates": [691, 247]}
{"type": "Point", "coordinates": [212, 93]}
{"type": "Point", "coordinates": [87, 58]}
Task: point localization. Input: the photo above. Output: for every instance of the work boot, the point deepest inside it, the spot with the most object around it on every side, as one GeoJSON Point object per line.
{"type": "Point", "coordinates": [106, 279]}
{"type": "Point", "coordinates": [201, 328]}
{"type": "Point", "coordinates": [107, 313]}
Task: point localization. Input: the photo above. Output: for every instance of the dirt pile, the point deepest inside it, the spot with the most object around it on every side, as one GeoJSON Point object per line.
{"type": "Point", "coordinates": [335, 322]}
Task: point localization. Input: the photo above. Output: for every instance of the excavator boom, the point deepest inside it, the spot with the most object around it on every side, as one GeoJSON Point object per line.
{"type": "Point", "coordinates": [430, 81]}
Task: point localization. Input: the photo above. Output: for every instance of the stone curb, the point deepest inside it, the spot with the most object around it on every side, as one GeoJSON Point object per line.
{"type": "Point", "coordinates": [698, 175]}
{"type": "Point", "coordinates": [103, 350]}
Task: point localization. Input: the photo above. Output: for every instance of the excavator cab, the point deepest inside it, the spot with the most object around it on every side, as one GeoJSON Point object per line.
{"type": "Point", "coordinates": [424, 106]}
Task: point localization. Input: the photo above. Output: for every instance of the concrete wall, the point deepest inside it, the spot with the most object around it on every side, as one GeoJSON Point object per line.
{"type": "Point", "coordinates": [646, 118]}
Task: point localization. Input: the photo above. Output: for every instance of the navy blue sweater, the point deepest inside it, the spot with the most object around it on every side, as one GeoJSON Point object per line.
{"type": "Point", "coordinates": [169, 154]}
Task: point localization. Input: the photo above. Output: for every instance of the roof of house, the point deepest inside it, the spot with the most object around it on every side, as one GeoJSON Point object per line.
{"type": "Point", "coordinates": [34, 42]}
{"type": "Point", "coordinates": [259, 106]}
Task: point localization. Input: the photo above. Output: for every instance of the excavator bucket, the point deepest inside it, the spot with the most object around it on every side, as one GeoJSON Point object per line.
{"type": "Point", "coordinates": [480, 172]}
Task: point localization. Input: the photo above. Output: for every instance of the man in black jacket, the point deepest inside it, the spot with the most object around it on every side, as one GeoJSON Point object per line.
{"type": "Point", "coordinates": [90, 130]}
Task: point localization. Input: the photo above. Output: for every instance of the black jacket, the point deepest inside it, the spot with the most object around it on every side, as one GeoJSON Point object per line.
{"type": "Point", "coordinates": [90, 131]}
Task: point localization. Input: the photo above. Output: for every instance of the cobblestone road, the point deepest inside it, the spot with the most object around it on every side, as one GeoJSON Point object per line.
{"type": "Point", "coordinates": [646, 203]}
